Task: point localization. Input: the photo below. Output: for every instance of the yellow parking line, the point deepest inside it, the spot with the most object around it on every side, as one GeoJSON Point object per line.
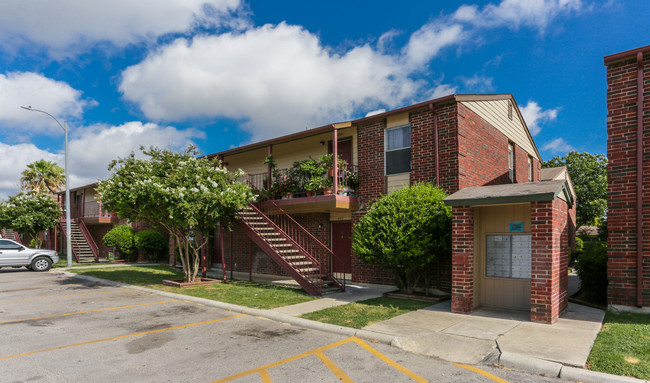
{"type": "Point", "coordinates": [389, 361]}
{"type": "Point", "coordinates": [343, 377]}
{"type": "Point", "coordinates": [266, 378]}
{"type": "Point", "coordinates": [120, 337]}
{"type": "Point", "coordinates": [481, 372]}
{"type": "Point", "coordinates": [283, 361]}
{"type": "Point", "coordinates": [88, 311]}
{"type": "Point", "coordinates": [66, 296]}
{"type": "Point", "coordinates": [329, 364]}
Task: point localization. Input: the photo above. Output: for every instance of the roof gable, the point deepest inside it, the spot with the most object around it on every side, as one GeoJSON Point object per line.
{"type": "Point", "coordinates": [495, 112]}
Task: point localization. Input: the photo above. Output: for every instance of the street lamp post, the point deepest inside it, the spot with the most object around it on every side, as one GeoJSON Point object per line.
{"type": "Point", "coordinates": [68, 230]}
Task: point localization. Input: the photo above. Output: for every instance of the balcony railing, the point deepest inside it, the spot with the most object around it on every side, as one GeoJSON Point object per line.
{"type": "Point", "coordinates": [285, 183]}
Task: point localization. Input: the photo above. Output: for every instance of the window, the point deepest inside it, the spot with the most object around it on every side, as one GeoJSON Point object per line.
{"type": "Point", "coordinates": [508, 256]}
{"type": "Point", "coordinates": [530, 169]}
{"type": "Point", "coordinates": [6, 244]}
{"type": "Point", "coordinates": [398, 150]}
{"type": "Point", "coordinates": [510, 110]}
{"type": "Point", "coordinates": [511, 161]}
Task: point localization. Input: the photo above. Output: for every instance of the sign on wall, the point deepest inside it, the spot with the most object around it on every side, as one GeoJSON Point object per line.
{"type": "Point", "coordinates": [508, 256]}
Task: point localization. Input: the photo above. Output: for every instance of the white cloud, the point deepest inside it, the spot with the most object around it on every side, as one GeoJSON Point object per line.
{"type": "Point", "coordinates": [375, 112]}
{"type": "Point", "coordinates": [301, 83]}
{"type": "Point", "coordinates": [91, 150]}
{"type": "Point", "coordinates": [478, 83]}
{"type": "Point", "coordinates": [516, 13]}
{"type": "Point", "coordinates": [66, 26]}
{"type": "Point", "coordinates": [534, 116]}
{"type": "Point", "coordinates": [277, 79]}
{"type": "Point", "coordinates": [27, 88]}
{"type": "Point", "coordinates": [556, 146]}
{"type": "Point", "coordinates": [443, 90]}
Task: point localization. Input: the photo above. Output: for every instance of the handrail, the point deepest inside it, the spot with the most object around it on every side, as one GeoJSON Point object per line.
{"type": "Point", "coordinates": [89, 238]}
{"type": "Point", "coordinates": [15, 235]}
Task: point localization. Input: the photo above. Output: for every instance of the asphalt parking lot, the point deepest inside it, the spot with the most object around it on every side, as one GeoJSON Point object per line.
{"type": "Point", "coordinates": [58, 328]}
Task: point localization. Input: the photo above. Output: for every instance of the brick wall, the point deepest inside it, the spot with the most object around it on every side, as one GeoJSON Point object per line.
{"type": "Point", "coordinates": [462, 260]}
{"type": "Point", "coordinates": [550, 256]}
{"type": "Point", "coordinates": [621, 177]}
{"type": "Point", "coordinates": [483, 153]}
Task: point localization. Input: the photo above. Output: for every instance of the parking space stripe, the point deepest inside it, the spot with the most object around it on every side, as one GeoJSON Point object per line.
{"type": "Point", "coordinates": [389, 361]}
{"type": "Point", "coordinates": [88, 311]}
{"type": "Point", "coordinates": [283, 361]}
{"type": "Point", "coordinates": [120, 337]}
{"type": "Point", "coordinates": [320, 350]}
{"type": "Point", "coordinates": [266, 378]}
{"type": "Point", "coordinates": [26, 289]}
{"type": "Point", "coordinates": [67, 296]}
{"type": "Point", "coordinates": [481, 372]}
{"type": "Point", "coordinates": [343, 377]}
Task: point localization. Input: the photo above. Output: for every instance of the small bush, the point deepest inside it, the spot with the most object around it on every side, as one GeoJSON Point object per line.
{"type": "Point", "coordinates": [152, 243]}
{"type": "Point", "coordinates": [575, 254]}
{"type": "Point", "coordinates": [122, 238]}
{"type": "Point", "coordinates": [592, 270]}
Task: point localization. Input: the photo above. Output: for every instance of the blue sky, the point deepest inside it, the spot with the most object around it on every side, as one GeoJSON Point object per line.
{"type": "Point", "coordinates": [222, 73]}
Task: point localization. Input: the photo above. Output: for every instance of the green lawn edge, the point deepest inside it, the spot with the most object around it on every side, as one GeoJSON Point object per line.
{"type": "Point", "coordinates": [364, 313]}
{"type": "Point", "coordinates": [622, 346]}
{"type": "Point", "coordinates": [243, 293]}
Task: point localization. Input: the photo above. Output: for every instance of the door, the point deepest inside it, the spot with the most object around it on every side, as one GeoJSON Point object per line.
{"type": "Point", "coordinates": [12, 254]}
{"type": "Point", "coordinates": [344, 149]}
{"type": "Point", "coordinates": [342, 247]}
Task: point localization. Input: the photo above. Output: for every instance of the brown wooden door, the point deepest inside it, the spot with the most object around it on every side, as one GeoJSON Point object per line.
{"type": "Point", "coordinates": [344, 149]}
{"type": "Point", "coordinates": [342, 247]}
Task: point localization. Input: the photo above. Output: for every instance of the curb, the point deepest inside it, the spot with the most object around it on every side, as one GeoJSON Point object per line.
{"type": "Point", "coordinates": [558, 370]}
{"type": "Point", "coordinates": [505, 359]}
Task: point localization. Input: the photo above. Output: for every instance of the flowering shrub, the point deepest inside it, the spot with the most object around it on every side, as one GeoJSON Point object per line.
{"type": "Point", "coordinates": [30, 213]}
{"type": "Point", "coordinates": [188, 196]}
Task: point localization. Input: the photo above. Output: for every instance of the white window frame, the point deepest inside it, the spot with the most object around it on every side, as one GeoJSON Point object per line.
{"type": "Point", "coordinates": [396, 149]}
{"type": "Point", "coordinates": [530, 169]}
{"type": "Point", "coordinates": [511, 161]}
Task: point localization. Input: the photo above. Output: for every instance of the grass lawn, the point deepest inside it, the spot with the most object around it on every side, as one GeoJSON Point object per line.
{"type": "Point", "coordinates": [63, 262]}
{"type": "Point", "coordinates": [364, 313]}
{"type": "Point", "coordinates": [249, 294]}
{"type": "Point", "coordinates": [623, 346]}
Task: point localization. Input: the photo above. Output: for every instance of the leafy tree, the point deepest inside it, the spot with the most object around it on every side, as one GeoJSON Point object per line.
{"type": "Point", "coordinates": [589, 175]}
{"type": "Point", "coordinates": [30, 213]}
{"type": "Point", "coordinates": [42, 176]}
{"type": "Point", "coordinates": [405, 231]}
{"type": "Point", "coordinates": [185, 195]}
{"type": "Point", "coordinates": [122, 238]}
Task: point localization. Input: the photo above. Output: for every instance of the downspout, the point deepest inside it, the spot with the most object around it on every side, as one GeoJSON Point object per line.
{"type": "Point", "coordinates": [639, 180]}
{"type": "Point", "coordinates": [335, 161]}
{"type": "Point", "coordinates": [435, 139]}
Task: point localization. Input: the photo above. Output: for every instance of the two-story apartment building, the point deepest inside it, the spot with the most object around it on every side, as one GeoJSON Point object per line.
{"type": "Point", "coordinates": [511, 226]}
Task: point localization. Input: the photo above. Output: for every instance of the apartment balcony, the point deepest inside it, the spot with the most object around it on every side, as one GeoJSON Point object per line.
{"type": "Point", "coordinates": [91, 212]}
{"type": "Point", "coordinates": [295, 193]}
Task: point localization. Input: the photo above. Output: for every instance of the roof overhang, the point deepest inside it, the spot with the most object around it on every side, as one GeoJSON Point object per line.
{"type": "Point", "coordinates": [541, 191]}
{"type": "Point", "coordinates": [626, 55]}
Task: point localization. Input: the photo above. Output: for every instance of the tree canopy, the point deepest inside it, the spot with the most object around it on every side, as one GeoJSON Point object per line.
{"type": "Point", "coordinates": [30, 213]}
{"type": "Point", "coordinates": [42, 176]}
{"type": "Point", "coordinates": [188, 196]}
{"type": "Point", "coordinates": [405, 231]}
{"type": "Point", "coordinates": [588, 173]}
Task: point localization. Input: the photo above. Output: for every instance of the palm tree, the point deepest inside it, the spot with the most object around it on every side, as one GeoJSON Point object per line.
{"type": "Point", "coordinates": [42, 176]}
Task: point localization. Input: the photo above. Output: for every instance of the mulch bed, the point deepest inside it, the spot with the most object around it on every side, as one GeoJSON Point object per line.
{"type": "Point", "coordinates": [417, 297]}
{"type": "Point", "coordinates": [179, 282]}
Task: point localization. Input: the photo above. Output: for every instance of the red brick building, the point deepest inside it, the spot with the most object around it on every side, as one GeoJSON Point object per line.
{"type": "Point", "coordinates": [457, 141]}
{"type": "Point", "coordinates": [628, 176]}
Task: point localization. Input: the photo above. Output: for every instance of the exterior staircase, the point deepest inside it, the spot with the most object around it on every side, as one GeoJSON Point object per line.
{"type": "Point", "coordinates": [292, 247]}
{"type": "Point", "coordinates": [84, 248]}
{"type": "Point", "coordinates": [10, 234]}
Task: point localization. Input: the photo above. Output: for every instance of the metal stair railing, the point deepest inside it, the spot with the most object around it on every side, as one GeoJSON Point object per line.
{"type": "Point", "coordinates": [76, 249]}
{"type": "Point", "coordinates": [89, 239]}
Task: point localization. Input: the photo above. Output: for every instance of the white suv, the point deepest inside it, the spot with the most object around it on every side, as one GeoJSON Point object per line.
{"type": "Point", "coordinates": [13, 254]}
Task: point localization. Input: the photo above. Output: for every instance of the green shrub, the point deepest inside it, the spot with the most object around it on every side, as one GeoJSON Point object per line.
{"type": "Point", "coordinates": [122, 238]}
{"type": "Point", "coordinates": [573, 256]}
{"type": "Point", "coordinates": [152, 243]}
{"type": "Point", "coordinates": [592, 270]}
{"type": "Point", "coordinates": [404, 232]}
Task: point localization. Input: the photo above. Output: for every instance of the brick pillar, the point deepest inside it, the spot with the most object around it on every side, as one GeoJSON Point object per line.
{"type": "Point", "coordinates": [462, 260]}
{"type": "Point", "coordinates": [549, 252]}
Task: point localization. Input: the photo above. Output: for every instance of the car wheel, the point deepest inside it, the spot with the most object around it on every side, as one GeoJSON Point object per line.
{"type": "Point", "coordinates": [41, 264]}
